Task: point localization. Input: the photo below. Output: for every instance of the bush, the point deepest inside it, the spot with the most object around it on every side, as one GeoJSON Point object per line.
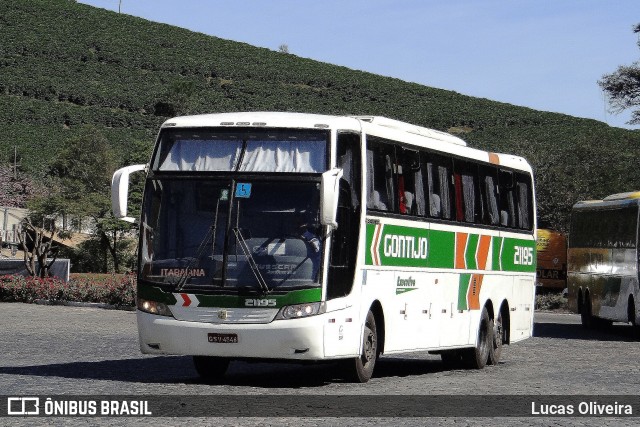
{"type": "Point", "coordinates": [118, 290]}
{"type": "Point", "coordinates": [551, 301]}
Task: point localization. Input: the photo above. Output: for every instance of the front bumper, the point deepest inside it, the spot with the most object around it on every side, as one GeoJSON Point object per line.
{"type": "Point", "coordinates": [297, 339]}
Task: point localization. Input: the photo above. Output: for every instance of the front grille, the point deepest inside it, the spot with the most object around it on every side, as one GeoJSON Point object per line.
{"type": "Point", "coordinates": [221, 315]}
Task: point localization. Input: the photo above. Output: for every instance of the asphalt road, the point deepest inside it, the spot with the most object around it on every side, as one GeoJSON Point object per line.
{"type": "Point", "coordinates": [55, 350]}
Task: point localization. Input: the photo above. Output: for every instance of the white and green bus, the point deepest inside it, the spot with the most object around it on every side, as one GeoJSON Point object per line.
{"type": "Point", "coordinates": [324, 238]}
{"type": "Point", "coordinates": [602, 276]}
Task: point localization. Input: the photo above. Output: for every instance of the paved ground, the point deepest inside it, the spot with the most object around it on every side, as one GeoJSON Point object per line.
{"type": "Point", "coordinates": [86, 351]}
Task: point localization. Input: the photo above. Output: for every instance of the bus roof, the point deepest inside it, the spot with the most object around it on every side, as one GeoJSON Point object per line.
{"type": "Point", "coordinates": [619, 199]}
{"type": "Point", "coordinates": [380, 126]}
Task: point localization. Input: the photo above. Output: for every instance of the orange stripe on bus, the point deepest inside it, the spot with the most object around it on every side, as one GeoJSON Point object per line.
{"type": "Point", "coordinates": [473, 294]}
{"type": "Point", "coordinates": [483, 252]}
{"type": "Point", "coordinates": [461, 246]}
{"type": "Point", "coordinates": [494, 159]}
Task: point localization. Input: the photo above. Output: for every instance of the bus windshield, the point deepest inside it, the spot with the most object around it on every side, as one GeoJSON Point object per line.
{"type": "Point", "coordinates": [241, 150]}
{"type": "Point", "coordinates": [250, 236]}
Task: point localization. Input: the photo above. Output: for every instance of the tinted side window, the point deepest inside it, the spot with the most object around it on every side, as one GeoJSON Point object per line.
{"type": "Point", "coordinates": [380, 176]}
{"type": "Point", "coordinates": [489, 194]}
{"type": "Point", "coordinates": [439, 191]}
{"type": "Point", "coordinates": [411, 196]}
{"type": "Point", "coordinates": [525, 205]}
{"type": "Point", "coordinates": [507, 199]}
{"type": "Point", "coordinates": [466, 191]}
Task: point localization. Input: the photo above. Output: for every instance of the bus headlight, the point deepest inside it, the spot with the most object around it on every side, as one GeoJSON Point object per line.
{"type": "Point", "coordinates": [153, 307]}
{"type": "Point", "coordinates": [301, 310]}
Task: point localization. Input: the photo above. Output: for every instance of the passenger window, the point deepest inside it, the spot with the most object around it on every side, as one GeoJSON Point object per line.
{"type": "Point", "coordinates": [525, 208]}
{"type": "Point", "coordinates": [489, 195]}
{"type": "Point", "coordinates": [410, 183]}
{"type": "Point", "coordinates": [466, 194]}
{"type": "Point", "coordinates": [507, 199]}
{"type": "Point", "coordinates": [380, 176]}
{"type": "Point", "coordinates": [439, 192]}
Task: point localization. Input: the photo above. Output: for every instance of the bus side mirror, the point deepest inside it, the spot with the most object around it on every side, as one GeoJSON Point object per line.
{"type": "Point", "coordinates": [120, 191]}
{"type": "Point", "coordinates": [329, 192]}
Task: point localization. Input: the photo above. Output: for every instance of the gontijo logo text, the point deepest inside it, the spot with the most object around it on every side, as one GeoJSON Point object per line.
{"type": "Point", "coordinates": [401, 246]}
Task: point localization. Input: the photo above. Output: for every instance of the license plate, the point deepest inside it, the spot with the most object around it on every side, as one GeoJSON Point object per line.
{"type": "Point", "coordinates": [223, 338]}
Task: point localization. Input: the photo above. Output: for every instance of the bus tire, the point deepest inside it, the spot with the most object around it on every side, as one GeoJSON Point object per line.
{"type": "Point", "coordinates": [360, 369]}
{"type": "Point", "coordinates": [631, 312]}
{"type": "Point", "coordinates": [477, 357]}
{"type": "Point", "coordinates": [210, 368]}
{"type": "Point", "coordinates": [586, 316]}
{"type": "Point", "coordinates": [495, 351]}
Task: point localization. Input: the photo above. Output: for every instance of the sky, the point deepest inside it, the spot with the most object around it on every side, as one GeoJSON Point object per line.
{"type": "Point", "coordinates": [543, 54]}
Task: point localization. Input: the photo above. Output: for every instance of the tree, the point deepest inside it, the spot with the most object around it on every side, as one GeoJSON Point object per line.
{"type": "Point", "coordinates": [15, 188]}
{"type": "Point", "coordinates": [283, 48]}
{"type": "Point", "coordinates": [38, 247]}
{"type": "Point", "coordinates": [179, 99]}
{"type": "Point", "coordinates": [622, 87]}
{"type": "Point", "coordinates": [36, 237]}
{"type": "Point", "coordinates": [80, 180]}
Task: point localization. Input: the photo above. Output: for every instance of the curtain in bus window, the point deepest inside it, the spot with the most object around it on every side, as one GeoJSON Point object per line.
{"type": "Point", "coordinates": [403, 203]}
{"type": "Point", "coordinates": [469, 195]}
{"type": "Point", "coordinates": [284, 156]}
{"type": "Point", "coordinates": [511, 221]}
{"type": "Point", "coordinates": [345, 162]}
{"type": "Point", "coordinates": [492, 202]}
{"type": "Point", "coordinates": [445, 196]}
{"type": "Point", "coordinates": [458, 195]}
{"type": "Point", "coordinates": [370, 181]}
{"type": "Point", "coordinates": [434, 199]}
{"type": "Point", "coordinates": [379, 180]}
{"type": "Point", "coordinates": [523, 206]}
{"type": "Point", "coordinates": [388, 174]}
{"type": "Point", "coordinates": [201, 155]}
{"type": "Point", "coordinates": [420, 201]}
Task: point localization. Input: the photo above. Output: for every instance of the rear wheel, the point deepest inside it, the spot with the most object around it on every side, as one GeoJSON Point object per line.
{"type": "Point", "coordinates": [495, 351]}
{"type": "Point", "coordinates": [360, 369]}
{"type": "Point", "coordinates": [211, 368]}
{"type": "Point", "coordinates": [631, 312]}
{"type": "Point", "coordinates": [586, 316]}
{"type": "Point", "coordinates": [477, 357]}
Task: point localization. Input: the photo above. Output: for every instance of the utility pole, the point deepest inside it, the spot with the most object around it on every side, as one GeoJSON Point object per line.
{"type": "Point", "coordinates": [15, 163]}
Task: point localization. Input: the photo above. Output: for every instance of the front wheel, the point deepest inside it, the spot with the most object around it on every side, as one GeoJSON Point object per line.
{"type": "Point", "coordinates": [477, 357]}
{"type": "Point", "coordinates": [360, 369]}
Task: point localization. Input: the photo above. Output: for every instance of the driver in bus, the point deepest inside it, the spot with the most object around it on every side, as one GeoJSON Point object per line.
{"type": "Point", "coordinates": [313, 243]}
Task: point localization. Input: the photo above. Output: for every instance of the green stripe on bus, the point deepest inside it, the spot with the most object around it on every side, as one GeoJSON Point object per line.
{"type": "Point", "coordinates": [519, 255]}
{"type": "Point", "coordinates": [470, 254]}
{"type": "Point", "coordinates": [463, 288]}
{"type": "Point", "coordinates": [370, 230]}
{"type": "Point", "coordinates": [497, 248]}
{"type": "Point", "coordinates": [400, 246]}
{"type": "Point", "coordinates": [231, 301]}
{"type": "Point", "coordinates": [442, 247]}
{"type": "Point", "coordinates": [154, 293]}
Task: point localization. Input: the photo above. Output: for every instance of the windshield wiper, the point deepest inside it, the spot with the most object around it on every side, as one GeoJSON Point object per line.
{"type": "Point", "coordinates": [211, 233]}
{"type": "Point", "coordinates": [252, 263]}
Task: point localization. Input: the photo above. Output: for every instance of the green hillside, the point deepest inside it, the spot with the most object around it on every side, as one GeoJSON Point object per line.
{"type": "Point", "coordinates": [65, 65]}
